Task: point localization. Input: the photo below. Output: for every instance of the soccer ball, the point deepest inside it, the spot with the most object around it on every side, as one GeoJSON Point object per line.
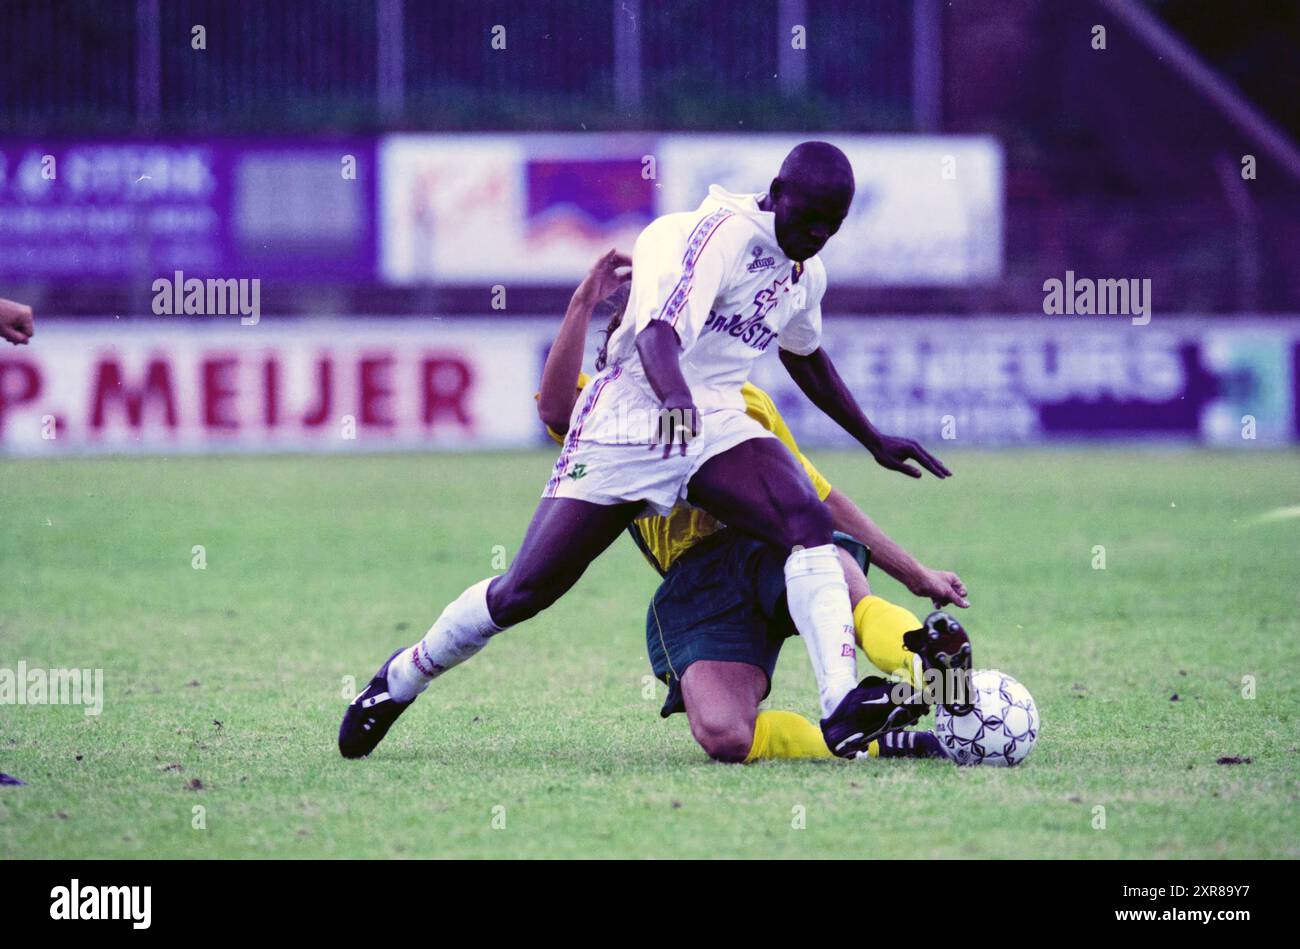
{"type": "Point", "coordinates": [1001, 727]}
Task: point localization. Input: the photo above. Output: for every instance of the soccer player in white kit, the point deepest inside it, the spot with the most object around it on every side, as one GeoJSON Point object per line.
{"type": "Point", "coordinates": [712, 289]}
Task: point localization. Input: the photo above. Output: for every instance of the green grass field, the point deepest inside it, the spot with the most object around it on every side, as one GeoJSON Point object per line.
{"type": "Point", "coordinates": [224, 686]}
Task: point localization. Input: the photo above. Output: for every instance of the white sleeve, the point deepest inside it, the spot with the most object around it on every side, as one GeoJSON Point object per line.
{"type": "Point", "coordinates": [803, 334]}
{"type": "Point", "coordinates": [678, 281]}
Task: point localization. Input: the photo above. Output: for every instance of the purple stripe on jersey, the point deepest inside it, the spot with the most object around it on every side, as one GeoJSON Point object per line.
{"type": "Point", "coordinates": [700, 234]}
{"type": "Point", "coordinates": [699, 238]}
{"type": "Point", "coordinates": [571, 442]}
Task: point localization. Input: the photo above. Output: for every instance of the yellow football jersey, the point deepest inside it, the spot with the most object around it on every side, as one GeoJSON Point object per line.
{"type": "Point", "coordinates": [664, 539]}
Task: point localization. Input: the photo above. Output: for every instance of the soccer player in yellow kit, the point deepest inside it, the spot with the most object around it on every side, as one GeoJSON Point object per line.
{"type": "Point", "coordinates": [716, 624]}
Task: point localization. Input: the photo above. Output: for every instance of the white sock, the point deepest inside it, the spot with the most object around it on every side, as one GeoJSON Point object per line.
{"type": "Point", "coordinates": [463, 629]}
{"type": "Point", "coordinates": [818, 599]}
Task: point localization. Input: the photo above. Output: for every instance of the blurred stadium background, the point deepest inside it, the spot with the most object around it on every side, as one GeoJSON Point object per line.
{"type": "Point", "coordinates": [418, 186]}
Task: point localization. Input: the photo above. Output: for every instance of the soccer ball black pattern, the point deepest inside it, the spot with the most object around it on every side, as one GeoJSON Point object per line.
{"type": "Point", "coordinates": [1001, 727]}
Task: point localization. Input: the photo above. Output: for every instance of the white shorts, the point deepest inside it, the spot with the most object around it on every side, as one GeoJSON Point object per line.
{"type": "Point", "coordinates": [609, 456]}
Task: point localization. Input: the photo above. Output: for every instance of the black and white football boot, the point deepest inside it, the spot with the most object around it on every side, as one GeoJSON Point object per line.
{"type": "Point", "coordinates": [912, 744]}
{"type": "Point", "coordinates": [944, 649]}
{"type": "Point", "coordinates": [874, 707]}
{"type": "Point", "coordinates": [370, 715]}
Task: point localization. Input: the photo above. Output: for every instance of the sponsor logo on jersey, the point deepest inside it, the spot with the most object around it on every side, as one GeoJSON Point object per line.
{"type": "Point", "coordinates": [760, 262]}
{"type": "Point", "coordinates": [577, 471]}
{"type": "Point", "coordinates": [749, 330]}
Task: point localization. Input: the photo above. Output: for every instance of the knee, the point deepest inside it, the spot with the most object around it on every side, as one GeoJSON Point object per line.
{"type": "Point", "coordinates": [512, 600]}
{"type": "Point", "coordinates": [726, 740]}
{"type": "Point", "coordinates": [808, 522]}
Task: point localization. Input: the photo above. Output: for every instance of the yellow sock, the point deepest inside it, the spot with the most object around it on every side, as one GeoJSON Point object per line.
{"type": "Point", "coordinates": [879, 626]}
{"type": "Point", "coordinates": [786, 735]}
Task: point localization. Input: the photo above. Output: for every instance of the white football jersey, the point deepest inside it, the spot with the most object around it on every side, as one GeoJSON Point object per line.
{"type": "Point", "coordinates": [719, 278]}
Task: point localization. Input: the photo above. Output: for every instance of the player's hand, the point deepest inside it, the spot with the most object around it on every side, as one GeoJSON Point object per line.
{"type": "Point", "coordinates": [677, 423]}
{"type": "Point", "coordinates": [943, 587]}
{"type": "Point", "coordinates": [894, 453]}
{"type": "Point", "coordinates": [16, 322]}
{"type": "Point", "coordinates": [607, 274]}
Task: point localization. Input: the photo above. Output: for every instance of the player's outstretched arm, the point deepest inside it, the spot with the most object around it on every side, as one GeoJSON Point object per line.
{"type": "Point", "coordinates": [559, 388]}
{"type": "Point", "coordinates": [16, 323]}
{"type": "Point", "coordinates": [816, 375]}
{"type": "Point", "coordinates": [941, 586]}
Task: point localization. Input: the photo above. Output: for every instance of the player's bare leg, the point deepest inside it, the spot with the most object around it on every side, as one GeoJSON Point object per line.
{"type": "Point", "coordinates": [721, 700]}
{"type": "Point", "coordinates": [563, 538]}
{"type": "Point", "coordinates": [758, 487]}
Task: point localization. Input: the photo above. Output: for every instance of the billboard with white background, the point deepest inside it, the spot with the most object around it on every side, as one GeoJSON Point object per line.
{"type": "Point", "coordinates": [928, 209]}
{"type": "Point", "coordinates": [489, 208]}
{"type": "Point", "coordinates": [197, 384]}
{"type": "Point", "coordinates": [540, 208]}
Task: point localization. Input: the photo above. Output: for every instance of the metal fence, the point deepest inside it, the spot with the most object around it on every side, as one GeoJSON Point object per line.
{"type": "Point", "coordinates": [338, 65]}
